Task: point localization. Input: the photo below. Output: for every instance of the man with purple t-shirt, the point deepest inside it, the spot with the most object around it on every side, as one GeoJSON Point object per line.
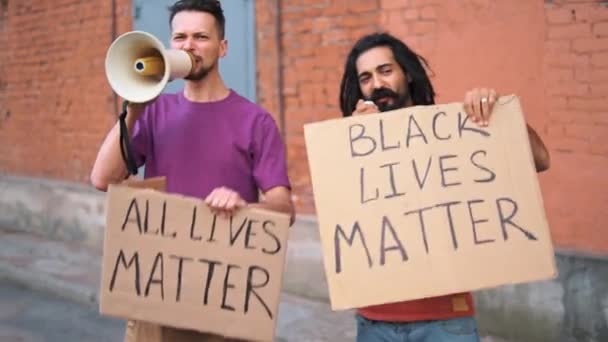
{"type": "Point", "coordinates": [202, 146]}
{"type": "Point", "coordinates": [208, 141]}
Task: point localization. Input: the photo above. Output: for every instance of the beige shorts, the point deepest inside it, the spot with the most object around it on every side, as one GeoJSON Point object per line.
{"type": "Point", "coordinates": [137, 331]}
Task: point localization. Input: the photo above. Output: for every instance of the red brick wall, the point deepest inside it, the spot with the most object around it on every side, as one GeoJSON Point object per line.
{"type": "Point", "coordinates": [576, 75]}
{"type": "Point", "coordinates": [55, 105]}
{"type": "Point", "coordinates": [553, 54]}
{"type": "Point", "coordinates": [315, 37]}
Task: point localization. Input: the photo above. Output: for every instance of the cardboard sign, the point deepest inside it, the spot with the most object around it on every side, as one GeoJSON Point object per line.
{"type": "Point", "coordinates": [168, 260]}
{"type": "Point", "coordinates": [422, 202]}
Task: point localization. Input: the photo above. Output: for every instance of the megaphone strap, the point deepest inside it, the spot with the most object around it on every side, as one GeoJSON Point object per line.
{"type": "Point", "coordinates": [125, 141]}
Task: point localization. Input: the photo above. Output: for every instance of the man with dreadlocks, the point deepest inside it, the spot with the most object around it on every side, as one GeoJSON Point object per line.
{"type": "Point", "coordinates": [382, 74]}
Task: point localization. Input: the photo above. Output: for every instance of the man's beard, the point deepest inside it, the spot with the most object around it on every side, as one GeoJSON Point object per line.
{"type": "Point", "coordinates": [398, 101]}
{"type": "Point", "coordinates": [199, 74]}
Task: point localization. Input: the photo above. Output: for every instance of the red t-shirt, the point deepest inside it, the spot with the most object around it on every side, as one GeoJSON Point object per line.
{"type": "Point", "coordinates": [435, 308]}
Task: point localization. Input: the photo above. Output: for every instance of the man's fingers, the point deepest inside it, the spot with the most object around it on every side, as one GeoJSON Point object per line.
{"type": "Point", "coordinates": [231, 201]}
{"type": "Point", "coordinates": [476, 104]}
{"type": "Point", "coordinates": [358, 105]}
{"type": "Point", "coordinates": [210, 197]}
{"type": "Point", "coordinates": [479, 103]}
{"type": "Point", "coordinates": [468, 105]}
{"type": "Point", "coordinates": [492, 98]}
{"type": "Point", "coordinates": [216, 198]}
{"type": "Point", "coordinates": [365, 107]}
{"type": "Point", "coordinates": [359, 108]}
{"type": "Point", "coordinates": [224, 202]}
{"type": "Point", "coordinates": [484, 97]}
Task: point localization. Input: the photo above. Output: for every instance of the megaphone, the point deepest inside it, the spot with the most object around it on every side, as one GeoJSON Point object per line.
{"type": "Point", "coordinates": [138, 67]}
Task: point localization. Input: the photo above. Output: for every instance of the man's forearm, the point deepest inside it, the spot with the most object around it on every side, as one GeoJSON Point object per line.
{"type": "Point", "coordinates": [540, 153]}
{"type": "Point", "coordinates": [109, 167]}
{"type": "Point", "coordinates": [281, 207]}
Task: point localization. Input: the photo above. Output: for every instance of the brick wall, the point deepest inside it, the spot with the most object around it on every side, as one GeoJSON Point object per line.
{"type": "Point", "coordinates": [553, 54]}
{"type": "Point", "coordinates": [4, 111]}
{"type": "Point", "coordinates": [55, 105]}
{"type": "Point", "coordinates": [315, 37]}
{"type": "Point", "coordinates": [576, 75]}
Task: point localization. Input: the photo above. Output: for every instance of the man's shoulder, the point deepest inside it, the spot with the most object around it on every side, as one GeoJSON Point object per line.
{"type": "Point", "coordinates": [168, 98]}
{"type": "Point", "coordinates": [163, 101]}
{"type": "Point", "coordinates": [250, 108]}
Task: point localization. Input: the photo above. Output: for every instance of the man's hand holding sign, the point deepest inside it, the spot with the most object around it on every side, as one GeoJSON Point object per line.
{"type": "Point", "coordinates": [422, 201]}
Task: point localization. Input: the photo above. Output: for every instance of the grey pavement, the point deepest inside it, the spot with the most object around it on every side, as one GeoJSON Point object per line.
{"type": "Point", "coordinates": [29, 316]}
{"type": "Point", "coordinates": [49, 291]}
{"type": "Point", "coordinates": [71, 272]}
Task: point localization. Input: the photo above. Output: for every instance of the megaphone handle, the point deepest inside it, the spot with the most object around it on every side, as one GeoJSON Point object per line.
{"type": "Point", "coordinates": [125, 142]}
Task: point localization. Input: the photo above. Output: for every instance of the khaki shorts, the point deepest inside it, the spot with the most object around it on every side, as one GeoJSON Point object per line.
{"type": "Point", "coordinates": [148, 332]}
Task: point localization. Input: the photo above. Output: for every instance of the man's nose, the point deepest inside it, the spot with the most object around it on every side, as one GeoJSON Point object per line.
{"type": "Point", "coordinates": [188, 45]}
{"type": "Point", "coordinates": [377, 82]}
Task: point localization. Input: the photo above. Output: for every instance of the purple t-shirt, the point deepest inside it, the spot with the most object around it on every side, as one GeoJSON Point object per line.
{"type": "Point", "coordinates": [200, 146]}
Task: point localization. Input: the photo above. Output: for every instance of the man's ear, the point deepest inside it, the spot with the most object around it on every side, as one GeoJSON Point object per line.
{"type": "Point", "coordinates": [223, 47]}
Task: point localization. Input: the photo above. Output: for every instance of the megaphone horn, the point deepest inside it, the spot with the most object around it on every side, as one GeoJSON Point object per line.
{"type": "Point", "coordinates": [138, 67]}
{"type": "Point", "coordinates": [149, 66]}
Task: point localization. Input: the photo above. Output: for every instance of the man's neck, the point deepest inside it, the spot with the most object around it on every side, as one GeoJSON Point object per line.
{"type": "Point", "coordinates": [209, 89]}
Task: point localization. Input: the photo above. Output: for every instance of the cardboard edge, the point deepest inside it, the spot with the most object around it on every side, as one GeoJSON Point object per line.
{"type": "Point", "coordinates": [501, 100]}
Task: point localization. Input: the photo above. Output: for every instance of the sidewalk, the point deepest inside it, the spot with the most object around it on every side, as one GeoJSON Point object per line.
{"type": "Point", "coordinates": [71, 273]}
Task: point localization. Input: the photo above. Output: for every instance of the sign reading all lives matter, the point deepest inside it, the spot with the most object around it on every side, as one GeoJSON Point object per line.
{"type": "Point", "coordinates": [421, 202]}
{"type": "Point", "coordinates": [169, 260]}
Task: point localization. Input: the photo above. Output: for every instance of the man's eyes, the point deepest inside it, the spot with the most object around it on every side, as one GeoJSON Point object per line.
{"type": "Point", "coordinates": [201, 37]}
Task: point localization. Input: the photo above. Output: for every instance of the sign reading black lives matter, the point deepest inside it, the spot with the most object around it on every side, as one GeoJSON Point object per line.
{"type": "Point", "coordinates": [168, 260]}
{"type": "Point", "coordinates": [421, 202]}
